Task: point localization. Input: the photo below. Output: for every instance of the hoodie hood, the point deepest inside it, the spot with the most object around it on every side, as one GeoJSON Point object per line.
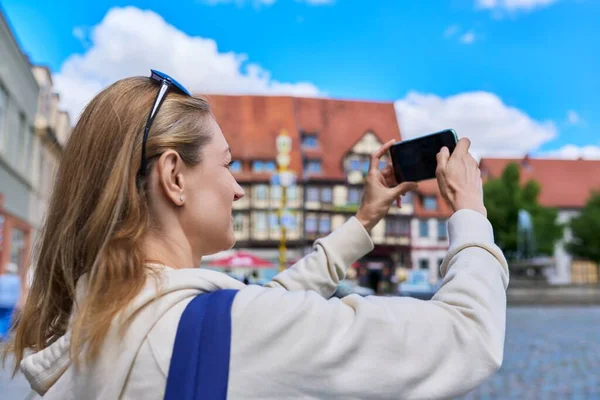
{"type": "Point", "coordinates": [105, 378]}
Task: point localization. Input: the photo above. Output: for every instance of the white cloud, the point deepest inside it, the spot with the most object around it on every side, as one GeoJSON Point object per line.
{"type": "Point", "coordinates": [513, 5]}
{"type": "Point", "coordinates": [493, 127]}
{"type": "Point", "coordinates": [572, 152]}
{"type": "Point", "coordinates": [129, 41]}
{"type": "Point", "coordinates": [451, 31]}
{"type": "Point", "coordinates": [468, 38]}
{"type": "Point", "coordinates": [573, 118]}
{"type": "Point", "coordinates": [79, 32]}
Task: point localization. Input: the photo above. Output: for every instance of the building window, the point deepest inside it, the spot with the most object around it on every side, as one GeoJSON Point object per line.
{"type": "Point", "coordinates": [3, 107]}
{"type": "Point", "coordinates": [22, 140]}
{"type": "Point", "coordinates": [423, 228]}
{"type": "Point", "coordinates": [45, 102]}
{"type": "Point", "coordinates": [326, 195]}
{"type": "Point", "coordinates": [404, 227]}
{"type": "Point", "coordinates": [235, 166]}
{"type": "Point", "coordinates": [430, 203]}
{"type": "Point", "coordinates": [263, 166]}
{"type": "Point", "coordinates": [273, 221]}
{"type": "Point", "coordinates": [354, 195]}
{"type": "Point", "coordinates": [313, 167]}
{"type": "Point", "coordinates": [365, 166]}
{"type": "Point", "coordinates": [311, 224]}
{"type": "Point", "coordinates": [238, 222]}
{"type": "Point", "coordinates": [276, 192]}
{"type": "Point", "coordinates": [24, 144]}
{"type": "Point", "coordinates": [423, 263]}
{"type": "Point", "coordinates": [310, 141]}
{"type": "Point", "coordinates": [257, 166]}
{"type": "Point", "coordinates": [29, 135]}
{"type": "Point", "coordinates": [42, 165]}
{"type": "Point", "coordinates": [269, 166]}
{"type": "Point", "coordinates": [292, 192]}
{"type": "Point", "coordinates": [390, 227]}
{"type": "Point", "coordinates": [17, 248]}
{"type": "Point", "coordinates": [442, 230]}
{"type": "Point", "coordinates": [355, 165]}
{"type": "Point", "coordinates": [261, 192]}
{"type": "Point", "coordinates": [312, 194]}
{"type": "Point", "coordinates": [407, 198]}
{"type": "Point", "coordinates": [261, 221]}
{"type": "Point", "coordinates": [396, 227]}
{"type": "Point", "coordinates": [325, 224]}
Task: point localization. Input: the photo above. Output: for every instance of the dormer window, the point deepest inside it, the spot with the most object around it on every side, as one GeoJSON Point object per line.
{"type": "Point", "coordinates": [263, 166]}
{"type": "Point", "coordinates": [313, 167]}
{"type": "Point", "coordinates": [430, 203]}
{"type": "Point", "coordinates": [310, 141]}
{"type": "Point", "coordinates": [235, 166]}
{"type": "Point", "coordinates": [365, 166]}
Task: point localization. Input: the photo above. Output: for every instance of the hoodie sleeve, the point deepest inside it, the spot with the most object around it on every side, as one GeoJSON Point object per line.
{"type": "Point", "coordinates": [299, 345]}
{"type": "Point", "coordinates": [326, 265]}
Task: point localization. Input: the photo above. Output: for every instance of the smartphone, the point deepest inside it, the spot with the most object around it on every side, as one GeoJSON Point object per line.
{"type": "Point", "coordinates": [415, 160]}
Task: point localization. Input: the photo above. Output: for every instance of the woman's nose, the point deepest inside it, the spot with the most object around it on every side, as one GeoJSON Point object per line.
{"type": "Point", "coordinates": [239, 193]}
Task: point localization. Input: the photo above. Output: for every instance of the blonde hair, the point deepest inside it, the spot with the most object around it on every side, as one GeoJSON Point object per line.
{"type": "Point", "coordinates": [98, 214]}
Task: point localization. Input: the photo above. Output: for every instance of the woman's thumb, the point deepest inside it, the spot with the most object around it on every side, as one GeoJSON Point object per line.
{"type": "Point", "coordinates": [442, 158]}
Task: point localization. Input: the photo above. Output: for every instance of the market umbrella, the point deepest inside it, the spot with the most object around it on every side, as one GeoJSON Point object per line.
{"type": "Point", "coordinates": [241, 259]}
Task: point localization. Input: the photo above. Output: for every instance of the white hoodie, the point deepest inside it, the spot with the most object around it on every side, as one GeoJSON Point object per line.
{"type": "Point", "coordinates": [290, 342]}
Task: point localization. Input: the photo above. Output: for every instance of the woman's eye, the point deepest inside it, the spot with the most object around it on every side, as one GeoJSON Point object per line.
{"type": "Point", "coordinates": [230, 164]}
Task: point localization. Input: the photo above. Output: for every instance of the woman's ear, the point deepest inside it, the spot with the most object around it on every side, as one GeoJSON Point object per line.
{"type": "Point", "coordinates": [170, 177]}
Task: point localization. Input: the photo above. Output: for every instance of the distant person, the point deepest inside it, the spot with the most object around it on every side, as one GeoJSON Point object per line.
{"type": "Point", "coordinates": [130, 218]}
{"type": "Point", "coordinates": [374, 280]}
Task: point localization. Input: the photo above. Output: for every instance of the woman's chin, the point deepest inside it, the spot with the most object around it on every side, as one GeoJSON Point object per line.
{"type": "Point", "coordinates": [231, 239]}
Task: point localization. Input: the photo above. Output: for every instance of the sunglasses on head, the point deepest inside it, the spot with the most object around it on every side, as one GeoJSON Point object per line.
{"type": "Point", "coordinates": [167, 84]}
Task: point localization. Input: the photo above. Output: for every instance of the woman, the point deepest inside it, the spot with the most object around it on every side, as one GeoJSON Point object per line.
{"type": "Point", "coordinates": [140, 199]}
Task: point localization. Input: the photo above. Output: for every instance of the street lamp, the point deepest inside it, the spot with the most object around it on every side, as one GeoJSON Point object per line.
{"type": "Point", "coordinates": [284, 179]}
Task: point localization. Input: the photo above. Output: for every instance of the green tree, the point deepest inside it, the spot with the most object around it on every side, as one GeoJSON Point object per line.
{"type": "Point", "coordinates": [504, 197]}
{"type": "Point", "coordinates": [586, 231]}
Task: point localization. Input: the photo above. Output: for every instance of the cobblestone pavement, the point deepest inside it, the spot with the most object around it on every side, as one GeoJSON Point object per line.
{"type": "Point", "coordinates": [550, 353]}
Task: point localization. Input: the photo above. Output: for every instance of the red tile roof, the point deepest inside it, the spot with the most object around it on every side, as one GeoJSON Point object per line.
{"type": "Point", "coordinates": [564, 183]}
{"type": "Point", "coordinates": [251, 124]}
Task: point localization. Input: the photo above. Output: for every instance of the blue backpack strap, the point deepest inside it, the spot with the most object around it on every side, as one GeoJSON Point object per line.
{"type": "Point", "coordinates": [200, 362]}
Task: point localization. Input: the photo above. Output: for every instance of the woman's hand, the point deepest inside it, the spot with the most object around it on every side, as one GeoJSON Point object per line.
{"type": "Point", "coordinates": [459, 178]}
{"type": "Point", "coordinates": [381, 190]}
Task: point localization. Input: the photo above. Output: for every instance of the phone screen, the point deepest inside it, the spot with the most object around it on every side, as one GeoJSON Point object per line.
{"type": "Point", "coordinates": [415, 160]}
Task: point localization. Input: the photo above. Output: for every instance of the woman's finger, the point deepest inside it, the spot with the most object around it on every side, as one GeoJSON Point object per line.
{"type": "Point", "coordinates": [442, 159]}
{"type": "Point", "coordinates": [375, 157]}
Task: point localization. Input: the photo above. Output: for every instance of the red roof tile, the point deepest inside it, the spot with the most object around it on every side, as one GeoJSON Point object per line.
{"type": "Point", "coordinates": [251, 124]}
{"type": "Point", "coordinates": [564, 183]}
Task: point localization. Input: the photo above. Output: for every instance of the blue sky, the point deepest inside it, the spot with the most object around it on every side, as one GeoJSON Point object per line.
{"type": "Point", "coordinates": [522, 75]}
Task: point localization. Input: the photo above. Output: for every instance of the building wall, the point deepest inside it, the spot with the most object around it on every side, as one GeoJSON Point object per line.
{"type": "Point", "coordinates": [431, 248]}
{"type": "Point", "coordinates": [19, 105]}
